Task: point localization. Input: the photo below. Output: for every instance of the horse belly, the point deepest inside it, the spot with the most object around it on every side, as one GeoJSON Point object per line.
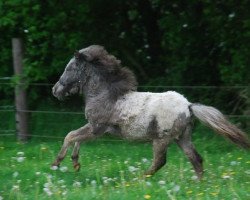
{"type": "Point", "coordinates": [135, 128]}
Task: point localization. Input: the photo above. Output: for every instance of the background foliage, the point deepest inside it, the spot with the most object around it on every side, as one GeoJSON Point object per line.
{"type": "Point", "coordinates": [175, 42]}
{"type": "Point", "coordinates": [164, 42]}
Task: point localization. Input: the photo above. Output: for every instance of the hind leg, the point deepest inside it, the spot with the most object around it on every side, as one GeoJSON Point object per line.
{"type": "Point", "coordinates": [185, 143]}
{"type": "Point", "coordinates": [159, 155]}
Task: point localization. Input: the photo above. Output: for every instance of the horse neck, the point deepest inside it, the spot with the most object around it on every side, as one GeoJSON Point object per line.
{"type": "Point", "coordinates": [96, 91]}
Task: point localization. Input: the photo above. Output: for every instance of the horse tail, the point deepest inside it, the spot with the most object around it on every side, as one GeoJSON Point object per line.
{"type": "Point", "coordinates": [214, 119]}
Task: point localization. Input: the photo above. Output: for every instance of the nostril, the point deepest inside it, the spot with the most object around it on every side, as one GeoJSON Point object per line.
{"type": "Point", "coordinates": [54, 88]}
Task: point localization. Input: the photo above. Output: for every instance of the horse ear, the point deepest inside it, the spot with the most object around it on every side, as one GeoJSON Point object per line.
{"type": "Point", "coordinates": [82, 56]}
{"type": "Point", "coordinates": [78, 55]}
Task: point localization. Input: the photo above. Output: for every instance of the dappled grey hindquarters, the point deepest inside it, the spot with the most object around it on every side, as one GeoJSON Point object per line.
{"type": "Point", "coordinates": [112, 105]}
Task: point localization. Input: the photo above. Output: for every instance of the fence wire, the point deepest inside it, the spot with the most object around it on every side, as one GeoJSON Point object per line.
{"type": "Point", "coordinates": [11, 108]}
{"type": "Point", "coordinates": [143, 86]}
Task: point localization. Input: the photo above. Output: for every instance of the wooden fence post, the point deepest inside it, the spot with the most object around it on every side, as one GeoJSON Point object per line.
{"type": "Point", "coordinates": [20, 93]}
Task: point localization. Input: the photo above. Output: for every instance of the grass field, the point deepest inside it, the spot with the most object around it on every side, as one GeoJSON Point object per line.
{"type": "Point", "coordinates": [113, 170]}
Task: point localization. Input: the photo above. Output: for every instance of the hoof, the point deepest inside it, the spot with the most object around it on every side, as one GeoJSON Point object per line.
{"type": "Point", "coordinates": [55, 164]}
{"type": "Point", "coordinates": [77, 167]}
{"type": "Point", "coordinates": [149, 173]}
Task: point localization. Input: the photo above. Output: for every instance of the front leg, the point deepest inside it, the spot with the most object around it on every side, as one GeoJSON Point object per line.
{"type": "Point", "coordinates": [82, 134]}
{"type": "Point", "coordinates": [75, 156]}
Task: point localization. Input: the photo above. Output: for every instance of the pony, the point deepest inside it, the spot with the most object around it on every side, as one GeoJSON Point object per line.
{"type": "Point", "coordinates": [112, 105]}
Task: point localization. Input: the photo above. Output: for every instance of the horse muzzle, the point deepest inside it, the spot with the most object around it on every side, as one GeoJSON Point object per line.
{"type": "Point", "coordinates": [58, 91]}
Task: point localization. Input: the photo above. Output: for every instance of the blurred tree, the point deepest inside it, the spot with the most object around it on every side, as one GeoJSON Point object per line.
{"type": "Point", "coordinates": [165, 42]}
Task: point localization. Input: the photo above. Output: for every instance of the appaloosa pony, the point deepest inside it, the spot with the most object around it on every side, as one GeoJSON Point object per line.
{"type": "Point", "coordinates": [114, 106]}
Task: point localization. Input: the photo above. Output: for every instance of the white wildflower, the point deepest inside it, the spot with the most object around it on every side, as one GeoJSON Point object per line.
{"type": "Point", "coordinates": [15, 187]}
{"type": "Point", "coordinates": [49, 176]}
{"type": "Point", "coordinates": [64, 193]}
{"type": "Point", "coordinates": [38, 173]}
{"type": "Point", "coordinates": [148, 183]}
{"type": "Point", "coordinates": [232, 163]}
{"type": "Point", "coordinates": [77, 184]}
{"type": "Point", "coordinates": [132, 169]}
{"type": "Point", "coordinates": [135, 179]}
{"type": "Point", "coordinates": [46, 185]}
{"type": "Point", "coordinates": [61, 181]}
{"type": "Point", "coordinates": [110, 179]}
{"type": "Point", "coordinates": [15, 174]}
{"type": "Point", "coordinates": [47, 191]}
{"type": "Point", "coordinates": [194, 177]}
{"type": "Point", "coordinates": [161, 182]}
{"type": "Point", "coordinates": [122, 35]}
{"type": "Point", "coordinates": [25, 31]}
{"type": "Point", "coordinates": [93, 183]}
{"type": "Point", "coordinates": [231, 15]}
{"type": "Point", "coordinates": [63, 169]}
{"type": "Point", "coordinates": [54, 168]}
{"type": "Point", "coordinates": [144, 160]}
{"type": "Point", "coordinates": [20, 153]}
{"type": "Point", "coordinates": [176, 188]}
{"type": "Point", "coordinates": [247, 172]}
{"type": "Point", "coordinates": [185, 25]}
{"type": "Point", "coordinates": [226, 176]}
{"type": "Point", "coordinates": [20, 159]}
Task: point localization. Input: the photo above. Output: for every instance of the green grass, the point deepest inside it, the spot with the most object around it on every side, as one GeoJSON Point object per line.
{"type": "Point", "coordinates": [113, 170]}
{"type": "Point", "coordinates": [107, 166]}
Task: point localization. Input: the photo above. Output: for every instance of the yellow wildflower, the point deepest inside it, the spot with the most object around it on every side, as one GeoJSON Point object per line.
{"type": "Point", "coordinates": [147, 196]}
{"type": "Point", "coordinates": [214, 193]}
{"type": "Point", "coordinates": [43, 148]}
{"type": "Point", "coordinates": [189, 192]}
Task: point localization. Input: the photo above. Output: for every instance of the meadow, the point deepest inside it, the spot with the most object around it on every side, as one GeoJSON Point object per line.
{"type": "Point", "coordinates": [112, 169]}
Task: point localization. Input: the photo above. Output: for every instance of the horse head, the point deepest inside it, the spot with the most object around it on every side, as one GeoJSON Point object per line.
{"type": "Point", "coordinates": [94, 65]}
{"type": "Point", "coordinates": [73, 77]}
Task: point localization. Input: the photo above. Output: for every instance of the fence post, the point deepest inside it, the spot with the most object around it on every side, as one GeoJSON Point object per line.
{"type": "Point", "coordinates": [20, 93]}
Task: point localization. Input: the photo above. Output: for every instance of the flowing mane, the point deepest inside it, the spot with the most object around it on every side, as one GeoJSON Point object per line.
{"type": "Point", "coordinates": [120, 79]}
